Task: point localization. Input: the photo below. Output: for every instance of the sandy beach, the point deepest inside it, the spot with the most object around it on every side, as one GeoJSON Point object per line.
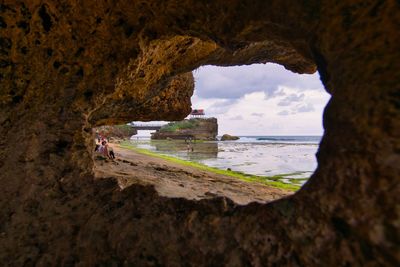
{"type": "Point", "coordinates": [175, 180]}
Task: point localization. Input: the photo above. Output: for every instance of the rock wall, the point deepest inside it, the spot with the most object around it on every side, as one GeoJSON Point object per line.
{"type": "Point", "coordinates": [201, 129]}
{"type": "Point", "coordinates": [69, 66]}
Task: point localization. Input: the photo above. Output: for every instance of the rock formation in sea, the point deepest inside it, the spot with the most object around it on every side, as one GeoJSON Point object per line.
{"type": "Point", "coordinates": [69, 66]}
{"type": "Point", "coordinates": [227, 137]}
{"type": "Point", "coordinates": [195, 128]}
{"type": "Point", "coordinates": [122, 131]}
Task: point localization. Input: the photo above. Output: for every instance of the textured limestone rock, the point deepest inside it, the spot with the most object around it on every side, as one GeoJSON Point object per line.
{"type": "Point", "coordinates": [68, 66]}
{"type": "Point", "coordinates": [117, 131]}
{"type": "Point", "coordinates": [195, 128]}
{"type": "Point", "coordinates": [227, 137]}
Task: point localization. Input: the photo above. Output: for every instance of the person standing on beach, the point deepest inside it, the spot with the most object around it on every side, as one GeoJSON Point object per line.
{"type": "Point", "coordinates": [103, 149]}
{"type": "Point", "coordinates": [190, 148]}
{"type": "Point", "coordinates": [111, 153]}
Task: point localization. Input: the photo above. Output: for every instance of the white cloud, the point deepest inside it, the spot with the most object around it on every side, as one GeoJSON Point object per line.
{"type": "Point", "coordinates": [287, 101]}
{"type": "Point", "coordinates": [236, 118]}
{"type": "Point", "coordinates": [283, 113]}
{"type": "Point", "coordinates": [234, 82]}
{"type": "Point", "coordinates": [305, 108]}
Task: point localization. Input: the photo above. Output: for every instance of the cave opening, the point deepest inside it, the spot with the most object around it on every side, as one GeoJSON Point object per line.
{"type": "Point", "coordinates": [275, 113]}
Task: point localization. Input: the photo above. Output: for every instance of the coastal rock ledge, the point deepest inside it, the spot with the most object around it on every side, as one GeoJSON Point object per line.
{"type": "Point", "coordinates": [69, 66]}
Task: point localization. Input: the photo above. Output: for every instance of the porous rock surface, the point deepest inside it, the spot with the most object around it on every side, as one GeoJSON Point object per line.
{"type": "Point", "coordinates": [115, 131]}
{"type": "Point", "coordinates": [69, 66]}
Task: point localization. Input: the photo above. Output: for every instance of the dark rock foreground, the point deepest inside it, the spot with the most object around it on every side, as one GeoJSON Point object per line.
{"type": "Point", "coordinates": [69, 66]}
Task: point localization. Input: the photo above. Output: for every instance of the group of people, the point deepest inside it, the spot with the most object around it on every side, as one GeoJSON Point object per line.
{"type": "Point", "coordinates": [103, 148]}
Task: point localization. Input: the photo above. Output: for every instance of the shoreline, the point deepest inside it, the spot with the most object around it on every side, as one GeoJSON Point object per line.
{"type": "Point", "coordinates": [175, 179]}
{"type": "Point", "coordinates": [279, 165]}
{"type": "Point", "coordinates": [273, 181]}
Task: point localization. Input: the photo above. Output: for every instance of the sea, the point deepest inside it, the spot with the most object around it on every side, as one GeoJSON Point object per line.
{"type": "Point", "coordinates": [290, 156]}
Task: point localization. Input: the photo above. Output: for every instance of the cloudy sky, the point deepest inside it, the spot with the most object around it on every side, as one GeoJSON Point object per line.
{"type": "Point", "coordinates": [260, 99]}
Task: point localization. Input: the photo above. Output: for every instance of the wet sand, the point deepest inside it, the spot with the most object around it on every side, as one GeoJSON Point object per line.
{"type": "Point", "coordinates": [175, 180]}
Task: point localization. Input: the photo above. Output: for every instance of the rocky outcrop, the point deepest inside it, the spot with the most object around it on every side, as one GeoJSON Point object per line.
{"type": "Point", "coordinates": [227, 137]}
{"type": "Point", "coordinates": [122, 131]}
{"type": "Point", "coordinates": [195, 128]}
{"type": "Point", "coordinates": [69, 66]}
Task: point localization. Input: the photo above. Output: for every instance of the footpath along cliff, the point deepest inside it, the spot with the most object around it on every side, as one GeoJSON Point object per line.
{"type": "Point", "coordinates": [196, 128]}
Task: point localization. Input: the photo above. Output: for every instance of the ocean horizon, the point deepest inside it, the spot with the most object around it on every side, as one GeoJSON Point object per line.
{"type": "Point", "coordinates": [311, 139]}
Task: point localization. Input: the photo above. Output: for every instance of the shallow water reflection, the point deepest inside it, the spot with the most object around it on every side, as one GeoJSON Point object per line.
{"type": "Point", "coordinates": [295, 160]}
{"type": "Point", "coordinates": [192, 151]}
